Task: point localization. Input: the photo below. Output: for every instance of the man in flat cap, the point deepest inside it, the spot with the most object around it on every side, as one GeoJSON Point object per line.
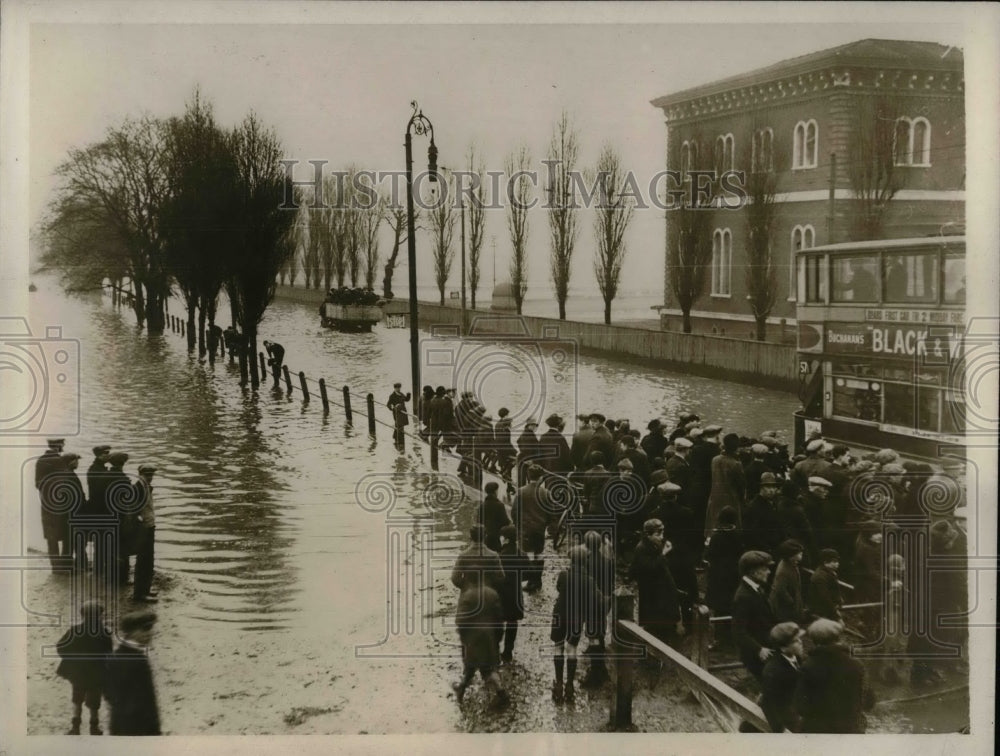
{"type": "Point", "coordinates": [654, 442]}
{"type": "Point", "coordinates": [528, 450]}
{"type": "Point", "coordinates": [97, 504]}
{"type": "Point", "coordinates": [145, 536]}
{"type": "Point", "coordinates": [555, 453]}
{"type": "Point", "coordinates": [84, 649]}
{"type": "Point", "coordinates": [752, 615]}
{"type": "Point", "coordinates": [119, 498]}
{"type": "Point", "coordinates": [761, 524]}
{"type": "Point", "coordinates": [786, 588]}
{"type": "Point", "coordinates": [824, 588]}
{"type": "Point", "coordinates": [400, 419]}
{"type": "Point", "coordinates": [678, 468]}
{"type": "Point", "coordinates": [814, 464]}
{"type": "Point", "coordinates": [71, 492]}
{"type": "Point", "coordinates": [54, 523]}
{"type": "Point", "coordinates": [756, 467]}
{"type": "Point", "coordinates": [832, 694]}
{"type": "Point", "coordinates": [129, 684]}
{"type": "Point", "coordinates": [659, 601]}
{"type": "Point", "coordinates": [780, 678]}
{"type": "Point", "coordinates": [602, 441]}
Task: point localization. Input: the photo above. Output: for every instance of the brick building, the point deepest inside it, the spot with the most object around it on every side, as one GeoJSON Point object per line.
{"type": "Point", "coordinates": [801, 118]}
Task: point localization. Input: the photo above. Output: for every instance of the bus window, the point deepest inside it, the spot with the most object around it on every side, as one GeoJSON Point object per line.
{"type": "Point", "coordinates": [953, 412]}
{"type": "Point", "coordinates": [815, 280]}
{"type": "Point", "coordinates": [927, 408]}
{"type": "Point", "coordinates": [857, 391]}
{"type": "Point", "coordinates": [954, 279]}
{"type": "Point", "coordinates": [899, 401]}
{"type": "Point", "coordinates": [910, 278]}
{"type": "Point", "coordinates": [855, 279]}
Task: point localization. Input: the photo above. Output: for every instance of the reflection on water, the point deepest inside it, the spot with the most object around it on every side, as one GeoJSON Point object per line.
{"type": "Point", "coordinates": [256, 495]}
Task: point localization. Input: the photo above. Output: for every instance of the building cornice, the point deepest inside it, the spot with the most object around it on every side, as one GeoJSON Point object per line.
{"type": "Point", "coordinates": [855, 79]}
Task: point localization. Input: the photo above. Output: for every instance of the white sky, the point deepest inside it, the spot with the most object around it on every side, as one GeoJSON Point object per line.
{"type": "Point", "coordinates": [341, 92]}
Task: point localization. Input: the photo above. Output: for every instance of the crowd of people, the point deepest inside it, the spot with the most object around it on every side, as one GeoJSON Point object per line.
{"type": "Point", "coordinates": [692, 516]}
{"type": "Point", "coordinates": [115, 516]}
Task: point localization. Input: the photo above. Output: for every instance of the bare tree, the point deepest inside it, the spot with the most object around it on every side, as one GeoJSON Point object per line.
{"type": "Point", "coordinates": [613, 214]}
{"type": "Point", "coordinates": [871, 167]}
{"type": "Point", "coordinates": [517, 166]}
{"type": "Point", "coordinates": [350, 226]}
{"type": "Point", "coordinates": [477, 221]}
{"type": "Point", "coordinates": [396, 217]}
{"type": "Point", "coordinates": [689, 246]}
{"type": "Point", "coordinates": [371, 220]}
{"type": "Point", "coordinates": [442, 217]}
{"type": "Point", "coordinates": [564, 150]}
{"type": "Point", "coordinates": [761, 188]}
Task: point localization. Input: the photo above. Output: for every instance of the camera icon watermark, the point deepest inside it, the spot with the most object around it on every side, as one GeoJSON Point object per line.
{"type": "Point", "coordinates": [41, 377]}
{"type": "Point", "coordinates": [502, 364]}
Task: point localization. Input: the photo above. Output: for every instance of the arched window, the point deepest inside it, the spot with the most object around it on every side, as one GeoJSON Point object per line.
{"type": "Point", "coordinates": [725, 146]}
{"type": "Point", "coordinates": [912, 141]}
{"type": "Point", "coordinates": [722, 262]}
{"type": "Point", "coordinates": [803, 237]}
{"type": "Point", "coordinates": [762, 152]}
{"type": "Point", "coordinates": [805, 144]}
{"type": "Point", "coordinates": [685, 158]}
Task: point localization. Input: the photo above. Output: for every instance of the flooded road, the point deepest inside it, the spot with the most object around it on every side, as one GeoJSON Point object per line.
{"type": "Point", "coordinates": [304, 566]}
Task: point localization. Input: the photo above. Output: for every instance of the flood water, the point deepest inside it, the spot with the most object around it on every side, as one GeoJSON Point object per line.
{"type": "Point", "coordinates": [276, 520]}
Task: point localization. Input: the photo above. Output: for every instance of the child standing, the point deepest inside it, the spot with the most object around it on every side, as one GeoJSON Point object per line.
{"type": "Point", "coordinates": [84, 649]}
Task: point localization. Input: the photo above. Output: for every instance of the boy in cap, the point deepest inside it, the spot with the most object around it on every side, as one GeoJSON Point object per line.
{"type": "Point", "coordinates": [129, 683]}
{"type": "Point", "coordinates": [752, 615]}
{"type": "Point", "coordinates": [780, 678]}
{"type": "Point", "coordinates": [512, 597]}
{"type": "Point", "coordinates": [659, 600]}
{"type": "Point", "coordinates": [824, 590]}
{"type": "Point", "coordinates": [84, 649]}
{"type": "Point", "coordinates": [145, 536]}
{"type": "Point", "coordinates": [786, 588]}
{"type": "Point", "coordinates": [832, 693]}
{"type": "Point", "coordinates": [493, 515]}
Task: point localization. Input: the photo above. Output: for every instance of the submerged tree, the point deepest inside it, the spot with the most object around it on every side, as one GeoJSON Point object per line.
{"type": "Point", "coordinates": [476, 208]}
{"type": "Point", "coordinates": [518, 199]}
{"type": "Point", "coordinates": [761, 188]}
{"type": "Point", "coordinates": [613, 214]}
{"type": "Point", "coordinates": [395, 216]}
{"type": "Point", "coordinates": [442, 226]}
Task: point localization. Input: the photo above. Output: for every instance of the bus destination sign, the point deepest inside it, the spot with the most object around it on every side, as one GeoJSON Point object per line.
{"type": "Point", "coordinates": [933, 317]}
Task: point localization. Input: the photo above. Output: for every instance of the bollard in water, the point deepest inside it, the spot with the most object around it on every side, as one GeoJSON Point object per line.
{"type": "Point", "coordinates": [371, 414]}
{"type": "Point", "coordinates": [263, 365]}
{"type": "Point", "coordinates": [288, 378]}
{"type": "Point", "coordinates": [322, 395]}
{"type": "Point", "coordinates": [347, 406]}
{"type": "Point", "coordinates": [305, 389]}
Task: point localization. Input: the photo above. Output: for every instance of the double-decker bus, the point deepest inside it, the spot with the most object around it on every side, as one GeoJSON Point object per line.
{"type": "Point", "coordinates": [880, 327]}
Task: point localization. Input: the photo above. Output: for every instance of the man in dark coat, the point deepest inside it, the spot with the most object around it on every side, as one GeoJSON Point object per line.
{"type": "Point", "coordinates": [233, 342]}
{"type": "Point", "coordinates": [602, 441]}
{"type": "Point", "coordinates": [479, 619]}
{"type": "Point", "coordinates": [654, 442]}
{"type": "Point", "coordinates": [477, 564]}
{"type": "Point", "coordinates": [70, 491]}
{"type": "Point", "coordinates": [129, 682]}
{"type": "Point", "coordinates": [815, 464]}
{"type": "Point", "coordinates": [400, 419]}
{"type": "Point", "coordinates": [527, 450]}
{"type": "Point", "coordinates": [832, 693]}
{"type": "Point", "coordinates": [493, 516]}
{"type": "Point", "coordinates": [555, 454]}
{"type": "Point", "coordinates": [754, 469]}
{"type": "Point", "coordinates": [795, 525]}
{"type": "Point", "coordinates": [786, 588]}
{"type": "Point", "coordinates": [578, 601]}
{"type": "Point", "coordinates": [630, 451]}
{"type": "Point", "coordinates": [723, 553]}
{"type": "Point", "coordinates": [505, 450]}
{"type": "Point", "coordinates": [119, 500]}
{"type": "Point", "coordinates": [659, 601]}
{"type": "Point", "coordinates": [54, 522]}
{"type": "Point", "coordinates": [780, 678]}
{"type": "Point", "coordinates": [678, 467]}
{"type": "Point", "coordinates": [512, 561]}
{"type": "Point", "coordinates": [706, 446]}
{"type": "Point", "coordinates": [752, 615]}
{"type": "Point", "coordinates": [84, 649]}
{"type": "Point", "coordinates": [532, 517]}
{"type": "Point", "coordinates": [762, 529]}
{"type": "Point", "coordinates": [276, 356]}
{"type": "Point", "coordinates": [728, 484]}
{"type": "Point", "coordinates": [824, 590]}
{"type": "Point", "coordinates": [580, 444]}
{"type": "Point", "coordinates": [97, 506]}
{"type": "Point", "coordinates": [145, 536]}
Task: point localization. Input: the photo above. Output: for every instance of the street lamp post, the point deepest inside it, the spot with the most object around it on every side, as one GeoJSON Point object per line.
{"type": "Point", "coordinates": [419, 124]}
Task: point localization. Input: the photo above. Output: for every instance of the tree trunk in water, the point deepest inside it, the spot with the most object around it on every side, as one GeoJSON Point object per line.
{"type": "Point", "coordinates": [687, 321]}
{"type": "Point", "coordinates": [473, 303]}
{"type": "Point", "coordinates": [761, 329]}
{"type": "Point", "coordinates": [442, 297]}
{"type": "Point", "coordinates": [202, 349]}
{"type": "Point", "coordinates": [607, 312]}
{"type": "Point", "coordinates": [139, 306]}
{"type": "Point", "coordinates": [562, 309]}
{"type": "Point", "coordinates": [251, 342]}
{"type": "Point", "coordinates": [154, 311]}
{"type": "Point", "coordinates": [210, 307]}
{"type": "Point", "coordinates": [192, 335]}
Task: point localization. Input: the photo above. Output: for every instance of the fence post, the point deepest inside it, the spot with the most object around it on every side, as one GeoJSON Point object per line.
{"type": "Point", "coordinates": [263, 366]}
{"type": "Point", "coordinates": [288, 378]}
{"type": "Point", "coordinates": [347, 406]}
{"type": "Point", "coordinates": [322, 395]}
{"type": "Point", "coordinates": [701, 635]}
{"type": "Point", "coordinates": [183, 328]}
{"type": "Point", "coordinates": [370, 399]}
{"type": "Point", "coordinates": [624, 666]}
{"type": "Point", "coordinates": [305, 389]}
